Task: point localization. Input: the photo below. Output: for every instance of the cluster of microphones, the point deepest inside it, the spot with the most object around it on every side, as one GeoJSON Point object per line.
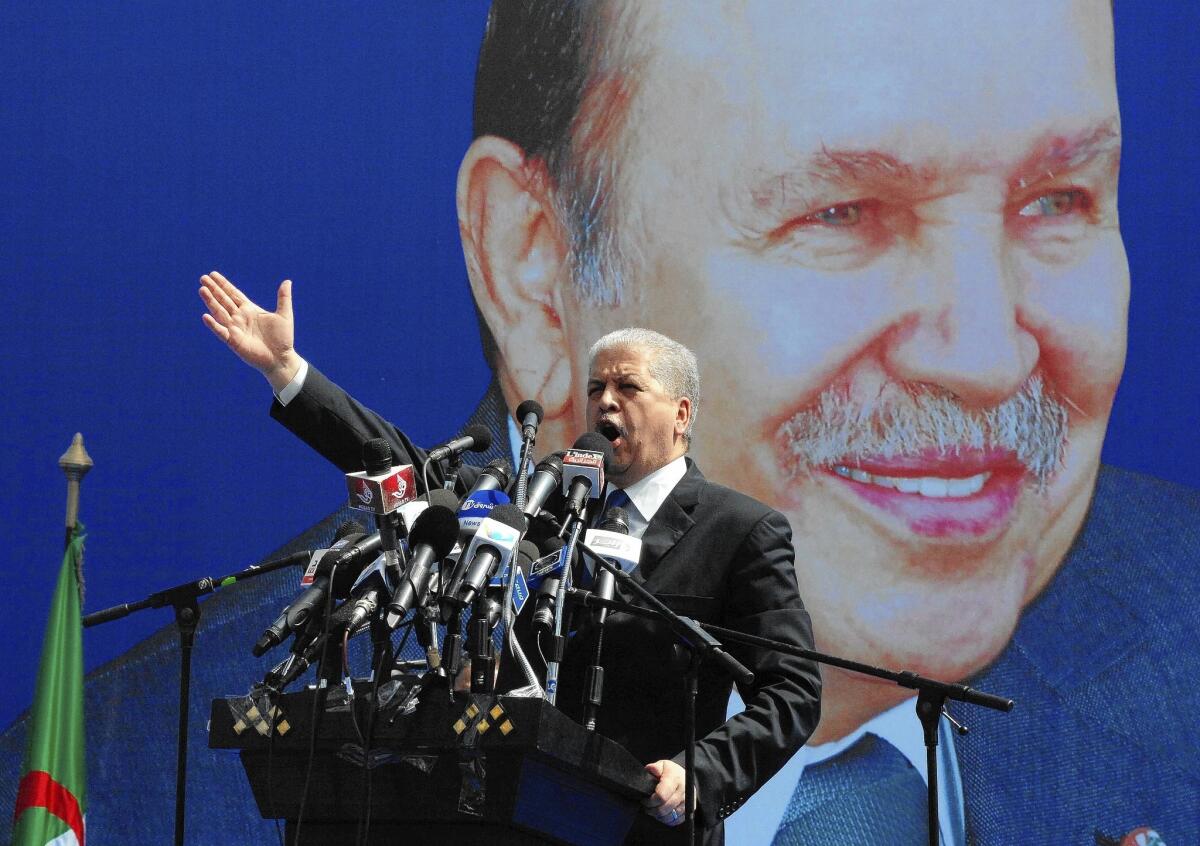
{"type": "Point", "coordinates": [513, 539]}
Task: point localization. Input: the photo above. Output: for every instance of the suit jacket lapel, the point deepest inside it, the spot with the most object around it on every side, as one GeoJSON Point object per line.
{"type": "Point", "coordinates": [672, 520]}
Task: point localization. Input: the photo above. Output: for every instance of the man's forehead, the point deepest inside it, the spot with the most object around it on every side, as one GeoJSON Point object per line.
{"type": "Point", "coordinates": [624, 360]}
{"type": "Point", "coordinates": [775, 75]}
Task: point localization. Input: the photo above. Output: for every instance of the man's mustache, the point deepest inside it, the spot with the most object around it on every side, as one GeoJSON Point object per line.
{"type": "Point", "coordinates": [911, 419]}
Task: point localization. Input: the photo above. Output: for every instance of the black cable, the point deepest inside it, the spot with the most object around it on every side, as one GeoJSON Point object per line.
{"type": "Point", "coordinates": [317, 695]}
{"type": "Point", "coordinates": [270, 762]}
{"type": "Point", "coordinates": [365, 820]}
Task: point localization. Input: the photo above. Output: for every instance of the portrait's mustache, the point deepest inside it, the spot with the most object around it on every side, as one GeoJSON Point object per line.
{"type": "Point", "coordinates": [908, 420]}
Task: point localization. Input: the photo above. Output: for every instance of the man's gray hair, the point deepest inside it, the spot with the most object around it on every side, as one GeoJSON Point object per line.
{"type": "Point", "coordinates": [670, 362]}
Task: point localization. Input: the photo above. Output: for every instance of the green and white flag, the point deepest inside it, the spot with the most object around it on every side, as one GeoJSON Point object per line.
{"type": "Point", "coordinates": [52, 797]}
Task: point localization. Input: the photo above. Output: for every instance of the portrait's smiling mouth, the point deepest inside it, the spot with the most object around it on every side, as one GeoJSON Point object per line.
{"type": "Point", "coordinates": [936, 487]}
{"type": "Point", "coordinates": [959, 494]}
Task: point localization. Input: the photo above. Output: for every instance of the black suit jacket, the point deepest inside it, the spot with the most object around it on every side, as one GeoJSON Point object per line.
{"type": "Point", "coordinates": [710, 553]}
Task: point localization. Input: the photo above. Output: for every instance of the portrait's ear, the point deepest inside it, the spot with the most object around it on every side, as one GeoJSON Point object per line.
{"type": "Point", "coordinates": [515, 253]}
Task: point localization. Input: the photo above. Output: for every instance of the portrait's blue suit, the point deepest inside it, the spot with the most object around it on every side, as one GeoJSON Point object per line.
{"type": "Point", "coordinates": [1105, 670]}
{"type": "Point", "coordinates": [1103, 666]}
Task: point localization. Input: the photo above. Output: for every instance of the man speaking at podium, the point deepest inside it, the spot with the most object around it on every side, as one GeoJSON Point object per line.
{"type": "Point", "coordinates": [890, 232]}
{"type": "Point", "coordinates": [709, 552]}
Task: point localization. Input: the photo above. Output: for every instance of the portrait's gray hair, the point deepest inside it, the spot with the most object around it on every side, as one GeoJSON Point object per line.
{"type": "Point", "coordinates": [670, 362]}
{"type": "Point", "coordinates": [555, 77]}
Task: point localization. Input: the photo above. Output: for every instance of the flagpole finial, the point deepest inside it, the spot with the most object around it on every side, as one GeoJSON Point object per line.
{"type": "Point", "coordinates": [75, 462]}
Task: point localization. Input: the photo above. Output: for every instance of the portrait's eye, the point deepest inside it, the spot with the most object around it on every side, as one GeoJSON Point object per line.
{"type": "Point", "coordinates": [843, 214]}
{"type": "Point", "coordinates": [1056, 204]}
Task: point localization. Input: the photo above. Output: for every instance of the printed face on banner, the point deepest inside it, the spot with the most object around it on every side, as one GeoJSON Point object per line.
{"type": "Point", "coordinates": [890, 236]}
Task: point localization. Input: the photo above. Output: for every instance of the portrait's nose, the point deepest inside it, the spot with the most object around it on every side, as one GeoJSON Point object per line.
{"type": "Point", "coordinates": [961, 328]}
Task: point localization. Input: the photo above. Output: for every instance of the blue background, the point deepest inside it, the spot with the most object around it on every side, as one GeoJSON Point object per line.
{"type": "Point", "coordinates": [147, 143]}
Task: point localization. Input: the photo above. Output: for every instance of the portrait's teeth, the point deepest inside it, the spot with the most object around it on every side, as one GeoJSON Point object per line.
{"type": "Point", "coordinates": [931, 486]}
{"type": "Point", "coordinates": [935, 487]}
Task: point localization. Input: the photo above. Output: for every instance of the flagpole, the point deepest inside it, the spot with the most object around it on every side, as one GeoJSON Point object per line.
{"type": "Point", "coordinates": [51, 805]}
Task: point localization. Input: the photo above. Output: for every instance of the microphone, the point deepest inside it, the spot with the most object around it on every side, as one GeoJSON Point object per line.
{"type": "Point", "coordinates": [431, 539]}
{"type": "Point", "coordinates": [484, 495]}
{"type": "Point", "coordinates": [584, 465]}
{"type": "Point", "coordinates": [313, 597]}
{"type": "Point", "coordinates": [475, 438]}
{"type": "Point", "coordinates": [611, 539]}
{"type": "Point", "coordinates": [490, 549]}
{"type": "Point", "coordinates": [380, 488]}
{"type": "Point", "coordinates": [547, 479]}
{"type": "Point", "coordinates": [529, 415]}
{"type": "Point", "coordinates": [364, 606]}
{"type": "Point", "coordinates": [543, 609]}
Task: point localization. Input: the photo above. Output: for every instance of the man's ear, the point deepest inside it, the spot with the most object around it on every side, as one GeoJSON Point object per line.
{"type": "Point", "coordinates": [516, 256]}
{"type": "Point", "coordinates": [683, 415]}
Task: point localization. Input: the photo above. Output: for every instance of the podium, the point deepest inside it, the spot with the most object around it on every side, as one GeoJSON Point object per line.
{"type": "Point", "coordinates": [461, 768]}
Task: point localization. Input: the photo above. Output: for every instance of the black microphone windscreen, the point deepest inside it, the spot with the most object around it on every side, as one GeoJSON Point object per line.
{"type": "Point", "coordinates": [481, 435]}
{"type": "Point", "coordinates": [350, 527]}
{"type": "Point", "coordinates": [527, 553]}
{"type": "Point", "coordinates": [509, 515]}
{"type": "Point", "coordinates": [595, 442]}
{"type": "Point", "coordinates": [437, 527]}
{"type": "Point", "coordinates": [377, 456]}
{"type": "Point", "coordinates": [442, 497]}
{"type": "Point", "coordinates": [530, 407]}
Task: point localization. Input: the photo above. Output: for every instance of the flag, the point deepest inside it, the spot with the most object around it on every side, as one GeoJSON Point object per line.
{"type": "Point", "coordinates": [52, 796]}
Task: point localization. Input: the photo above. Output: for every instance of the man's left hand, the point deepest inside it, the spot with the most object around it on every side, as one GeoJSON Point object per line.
{"type": "Point", "coordinates": [665, 804]}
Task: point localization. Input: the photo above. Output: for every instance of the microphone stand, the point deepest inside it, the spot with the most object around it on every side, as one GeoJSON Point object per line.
{"type": "Point", "coordinates": [183, 598]}
{"type": "Point", "coordinates": [690, 634]}
{"type": "Point", "coordinates": [931, 694]}
{"type": "Point", "coordinates": [558, 640]}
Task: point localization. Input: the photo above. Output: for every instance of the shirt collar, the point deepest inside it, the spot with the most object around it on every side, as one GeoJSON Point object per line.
{"type": "Point", "coordinates": [648, 493]}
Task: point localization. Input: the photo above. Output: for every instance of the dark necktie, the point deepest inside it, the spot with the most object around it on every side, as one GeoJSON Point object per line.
{"type": "Point", "coordinates": [867, 795]}
{"type": "Point", "coordinates": [616, 499]}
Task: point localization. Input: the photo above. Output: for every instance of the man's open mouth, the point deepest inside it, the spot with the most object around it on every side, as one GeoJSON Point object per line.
{"type": "Point", "coordinates": [610, 430]}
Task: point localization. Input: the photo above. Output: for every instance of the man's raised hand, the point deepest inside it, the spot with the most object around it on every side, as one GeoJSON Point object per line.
{"type": "Point", "coordinates": [261, 338]}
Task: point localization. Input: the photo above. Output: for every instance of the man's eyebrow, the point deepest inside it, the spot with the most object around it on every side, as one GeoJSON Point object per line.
{"type": "Point", "coordinates": [1056, 155]}
{"type": "Point", "coordinates": [864, 168]}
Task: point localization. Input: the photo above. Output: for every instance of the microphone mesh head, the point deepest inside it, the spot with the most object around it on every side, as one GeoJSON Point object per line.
{"type": "Point", "coordinates": [377, 456]}
{"type": "Point", "coordinates": [551, 464]}
{"type": "Point", "coordinates": [616, 520]}
{"type": "Point", "coordinates": [501, 469]}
